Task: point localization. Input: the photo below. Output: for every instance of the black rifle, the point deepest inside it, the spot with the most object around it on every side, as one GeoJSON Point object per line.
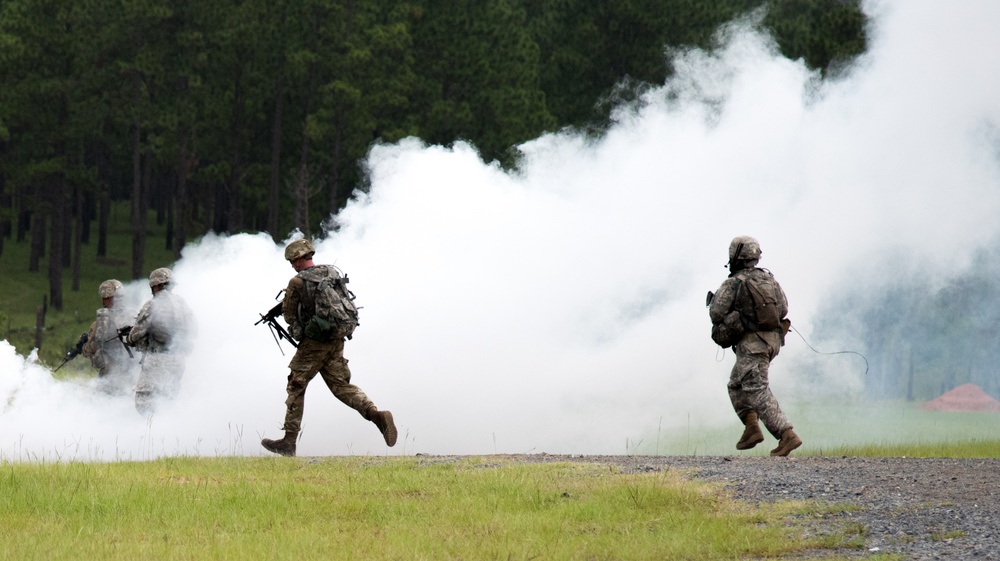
{"type": "Point", "coordinates": [74, 352]}
{"type": "Point", "coordinates": [278, 332]}
{"type": "Point", "coordinates": [121, 335]}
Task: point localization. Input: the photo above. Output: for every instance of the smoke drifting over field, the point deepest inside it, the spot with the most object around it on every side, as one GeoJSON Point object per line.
{"type": "Point", "coordinates": [561, 309]}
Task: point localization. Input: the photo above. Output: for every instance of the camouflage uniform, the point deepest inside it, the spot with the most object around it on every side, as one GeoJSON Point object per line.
{"type": "Point", "coordinates": [164, 331]}
{"type": "Point", "coordinates": [106, 353]}
{"type": "Point", "coordinates": [313, 356]}
{"type": "Point", "coordinates": [323, 357]}
{"type": "Point", "coordinates": [748, 384]}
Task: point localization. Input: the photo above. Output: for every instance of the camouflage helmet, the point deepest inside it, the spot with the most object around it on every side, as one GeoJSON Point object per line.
{"type": "Point", "coordinates": [744, 248]}
{"type": "Point", "coordinates": [160, 276]}
{"type": "Point", "coordinates": [299, 248]}
{"type": "Point", "coordinates": [111, 288]}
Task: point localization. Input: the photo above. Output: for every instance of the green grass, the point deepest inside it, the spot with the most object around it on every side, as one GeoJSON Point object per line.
{"type": "Point", "coordinates": [22, 292]}
{"type": "Point", "coordinates": [488, 507]}
{"type": "Point", "coordinates": [365, 508]}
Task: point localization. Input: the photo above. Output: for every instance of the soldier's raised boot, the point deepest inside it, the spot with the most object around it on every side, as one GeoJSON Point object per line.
{"type": "Point", "coordinates": [285, 446]}
{"type": "Point", "coordinates": [383, 420]}
{"type": "Point", "coordinates": [789, 441]}
{"type": "Point", "coordinates": [752, 434]}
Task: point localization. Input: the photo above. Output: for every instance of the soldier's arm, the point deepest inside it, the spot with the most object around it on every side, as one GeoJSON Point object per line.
{"type": "Point", "coordinates": [92, 344]}
{"type": "Point", "coordinates": [722, 303]}
{"type": "Point", "coordinates": [290, 306]}
{"type": "Point", "coordinates": [142, 325]}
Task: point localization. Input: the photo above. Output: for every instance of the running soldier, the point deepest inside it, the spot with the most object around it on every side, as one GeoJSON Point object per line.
{"type": "Point", "coordinates": [748, 313]}
{"type": "Point", "coordinates": [324, 355]}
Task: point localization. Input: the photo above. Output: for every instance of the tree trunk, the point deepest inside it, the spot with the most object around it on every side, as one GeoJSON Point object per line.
{"type": "Point", "coordinates": [301, 189]}
{"type": "Point", "coordinates": [23, 222]}
{"type": "Point", "coordinates": [66, 217]}
{"type": "Point", "coordinates": [6, 203]}
{"type": "Point", "coordinates": [138, 209]}
{"type": "Point", "coordinates": [103, 216]}
{"type": "Point", "coordinates": [180, 217]}
{"type": "Point", "coordinates": [220, 208]}
{"type": "Point", "coordinates": [234, 182]}
{"type": "Point", "coordinates": [169, 237]}
{"type": "Point", "coordinates": [37, 241]}
{"type": "Point", "coordinates": [40, 323]}
{"type": "Point", "coordinates": [87, 216]}
{"type": "Point", "coordinates": [338, 131]}
{"type": "Point", "coordinates": [301, 182]}
{"type": "Point", "coordinates": [60, 204]}
{"type": "Point", "coordinates": [338, 135]}
{"type": "Point", "coordinates": [159, 198]}
{"type": "Point", "coordinates": [78, 238]}
{"type": "Point", "coordinates": [274, 189]}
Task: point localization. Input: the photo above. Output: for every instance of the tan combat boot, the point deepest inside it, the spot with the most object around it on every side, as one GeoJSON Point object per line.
{"type": "Point", "coordinates": [383, 420]}
{"type": "Point", "coordinates": [285, 446]}
{"type": "Point", "coordinates": [752, 435]}
{"type": "Point", "coordinates": [789, 441]}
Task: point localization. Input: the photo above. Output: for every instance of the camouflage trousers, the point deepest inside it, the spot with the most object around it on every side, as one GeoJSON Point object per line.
{"type": "Point", "coordinates": [748, 385]}
{"type": "Point", "coordinates": [327, 360]}
{"type": "Point", "coordinates": [160, 379]}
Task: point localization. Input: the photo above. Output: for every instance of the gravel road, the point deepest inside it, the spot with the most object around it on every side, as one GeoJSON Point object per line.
{"type": "Point", "coordinates": [915, 507]}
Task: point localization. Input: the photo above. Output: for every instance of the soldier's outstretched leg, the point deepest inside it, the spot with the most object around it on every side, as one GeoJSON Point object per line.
{"type": "Point", "coordinates": [383, 420]}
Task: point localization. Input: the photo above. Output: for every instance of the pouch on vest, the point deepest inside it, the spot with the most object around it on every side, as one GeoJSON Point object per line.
{"type": "Point", "coordinates": [318, 329]}
{"type": "Point", "coordinates": [729, 331]}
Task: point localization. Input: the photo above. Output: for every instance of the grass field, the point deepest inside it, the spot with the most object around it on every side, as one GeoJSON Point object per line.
{"type": "Point", "coordinates": [370, 508]}
{"type": "Point", "coordinates": [423, 507]}
{"type": "Point", "coordinates": [22, 292]}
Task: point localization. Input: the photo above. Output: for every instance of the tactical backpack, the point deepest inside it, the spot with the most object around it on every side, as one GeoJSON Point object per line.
{"type": "Point", "coordinates": [336, 316]}
{"type": "Point", "coordinates": [756, 307]}
{"type": "Point", "coordinates": [758, 304]}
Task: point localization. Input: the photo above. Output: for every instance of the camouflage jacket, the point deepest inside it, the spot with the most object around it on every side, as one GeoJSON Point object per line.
{"type": "Point", "coordinates": [164, 324]}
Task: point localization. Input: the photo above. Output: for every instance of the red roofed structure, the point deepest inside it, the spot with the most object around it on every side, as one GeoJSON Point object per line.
{"type": "Point", "coordinates": [967, 397]}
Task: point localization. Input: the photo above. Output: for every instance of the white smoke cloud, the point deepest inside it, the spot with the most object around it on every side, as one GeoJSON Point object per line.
{"type": "Point", "coordinates": [561, 308]}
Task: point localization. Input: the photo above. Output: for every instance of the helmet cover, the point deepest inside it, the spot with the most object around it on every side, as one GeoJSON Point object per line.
{"type": "Point", "coordinates": [111, 288]}
{"type": "Point", "coordinates": [160, 276]}
{"type": "Point", "coordinates": [299, 248]}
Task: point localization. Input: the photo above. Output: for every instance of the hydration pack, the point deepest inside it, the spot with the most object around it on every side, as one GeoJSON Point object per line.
{"type": "Point", "coordinates": [758, 299]}
{"type": "Point", "coordinates": [336, 316]}
{"type": "Point", "coordinates": [757, 306]}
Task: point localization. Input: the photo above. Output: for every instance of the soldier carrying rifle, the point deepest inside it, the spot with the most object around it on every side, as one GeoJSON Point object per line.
{"type": "Point", "coordinates": [320, 315]}
{"type": "Point", "coordinates": [164, 331]}
{"type": "Point", "coordinates": [108, 356]}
